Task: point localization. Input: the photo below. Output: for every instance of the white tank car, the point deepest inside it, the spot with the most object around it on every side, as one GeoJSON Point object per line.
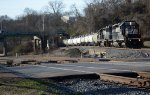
{"type": "Point", "coordinates": [86, 39]}
{"type": "Point", "coordinates": [78, 40]}
{"type": "Point", "coordinates": [90, 38]}
{"type": "Point", "coordinates": [95, 38]}
{"type": "Point", "coordinates": [82, 40]}
{"type": "Point", "coordinates": [70, 42]}
{"type": "Point", "coordinates": [65, 41]}
{"type": "Point", "coordinates": [74, 41]}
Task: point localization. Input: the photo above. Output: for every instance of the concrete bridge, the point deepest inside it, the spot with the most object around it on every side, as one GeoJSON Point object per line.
{"type": "Point", "coordinates": [38, 36]}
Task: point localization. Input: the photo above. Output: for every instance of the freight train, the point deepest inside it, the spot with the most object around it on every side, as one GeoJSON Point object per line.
{"type": "Point", "coordinates": [124, 34]}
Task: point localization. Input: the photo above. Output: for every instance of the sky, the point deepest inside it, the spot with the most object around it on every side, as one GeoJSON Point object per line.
{"type": "Point", "coordinates": [14, 8]}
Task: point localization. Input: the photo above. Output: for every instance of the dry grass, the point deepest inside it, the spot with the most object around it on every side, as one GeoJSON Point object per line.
{"type": "Point", "coordinates": [20, 86]}
{"type": "Point", "coordinates": [147, 43]}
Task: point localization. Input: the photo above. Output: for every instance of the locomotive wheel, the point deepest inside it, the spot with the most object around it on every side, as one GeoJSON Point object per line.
{"type": "Point", "coordinates": [128, 44]}
{"type": "Point", "coordinates": [122, 45]}
{"type": "Point", "coordinates": [105, 44]}
{"type": "Point", "coordinates": [98, 44]}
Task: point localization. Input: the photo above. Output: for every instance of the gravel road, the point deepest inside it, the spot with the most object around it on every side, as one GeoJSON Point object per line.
{"type": "Point", "coordinates": [98, 87]}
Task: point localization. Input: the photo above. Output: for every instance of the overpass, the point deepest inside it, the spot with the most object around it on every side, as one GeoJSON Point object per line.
{"type": "Point", "coordinates": [5, 34]}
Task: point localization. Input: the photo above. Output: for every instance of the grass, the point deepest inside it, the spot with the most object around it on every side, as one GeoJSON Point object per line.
{"type": "Point", "coordinates": [28, 87]}
{"type": "Point", "coordinates": [147, 43]}
{"type": "Point", "coordinates": [32, 84]}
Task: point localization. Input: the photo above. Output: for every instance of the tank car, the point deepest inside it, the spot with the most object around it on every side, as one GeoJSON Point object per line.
{"type": "Point", "coordinates": [78, 39]}
{"type": "Point", "coordinates": [95, 39]}
{"type": "Point", "coordinates": [74, 41]}
{"type": "Point", "coordinates": [86, 37]}
{"type": "Point", "coordinates": [82, 40]}
{"type": "Point", "coordinates": [90, 39]}
{"type": "Point", "coordinates": [65, 41]}
{"type": "Point", "coordinates": [70, 42]}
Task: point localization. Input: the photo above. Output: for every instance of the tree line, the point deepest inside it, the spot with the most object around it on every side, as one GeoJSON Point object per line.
{"type": "Point", "coordinates": [100, 13]}
{"type": "Point", "coordinates": [96, 14]}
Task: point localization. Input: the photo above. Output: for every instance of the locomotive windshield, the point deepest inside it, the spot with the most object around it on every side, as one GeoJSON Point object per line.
{"type": "Point", "coordinates": [131, 29]}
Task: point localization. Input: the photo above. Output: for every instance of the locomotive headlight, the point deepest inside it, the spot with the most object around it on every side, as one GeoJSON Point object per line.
{"type": "Point", "coordinates": [139, 40]}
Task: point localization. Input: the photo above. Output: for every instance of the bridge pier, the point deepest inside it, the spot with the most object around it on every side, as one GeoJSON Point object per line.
{"type": "Point", "coordinates": [4, 47]}
{"type": "Point", "coordinates": [37, 44]}
{"type": "Point", "coordinates": [40, 44]}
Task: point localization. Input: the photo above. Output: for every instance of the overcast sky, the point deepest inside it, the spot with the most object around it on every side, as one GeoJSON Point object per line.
{"type": "Point", "coordinates": [13, 8]}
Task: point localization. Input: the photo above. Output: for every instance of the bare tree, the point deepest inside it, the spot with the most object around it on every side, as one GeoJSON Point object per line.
{"type": "Point", "coordinates": [56, 6]}
{"type": "Point", "coordinates": [75, 10]}
{"type": "Point", "coordinates": [31, 20]}
{"type": "Point", "coordinates": [148, 5]}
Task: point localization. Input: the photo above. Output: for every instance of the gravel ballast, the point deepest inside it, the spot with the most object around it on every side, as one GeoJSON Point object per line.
{"type": "Point", "coordinates": [127, 53]}
{"type": "Point", "coordinates": [98, 87]}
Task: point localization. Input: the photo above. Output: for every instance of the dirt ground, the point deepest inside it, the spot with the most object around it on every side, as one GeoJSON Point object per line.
{"type": "Point", "coordinates": [79, 54]}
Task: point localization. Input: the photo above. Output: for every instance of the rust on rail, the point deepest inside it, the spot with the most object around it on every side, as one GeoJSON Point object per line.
{"type": "Point", "coordinates": [144, 74]}
{"type": "Point", "coordinates": [126, 80]}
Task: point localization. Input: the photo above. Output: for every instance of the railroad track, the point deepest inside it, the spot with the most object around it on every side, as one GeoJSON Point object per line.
{"type": "Point", "coordinates": [144, 74]}
{"type": "Point", "coordinates": [139, 79]}
{"type": "Point", "coordinates": [97, 47]}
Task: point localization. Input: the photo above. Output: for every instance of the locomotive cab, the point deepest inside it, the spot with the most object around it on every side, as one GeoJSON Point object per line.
{"type": "Point", "coordinates": [131, 33]}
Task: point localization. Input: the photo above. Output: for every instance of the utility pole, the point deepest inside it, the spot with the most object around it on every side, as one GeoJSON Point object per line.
{"type": "Point", "coordinates": [44, 41]}
{"type": "Point", "coordinates": [43, 34]}
{"type": "Point", "coordinates": [43, 22]}
{"type": "Point", "coordinates": [1, 25]}
{"type": "Point", "coordinates": [128, 1]}
{"type": "Point", "coordinates": [148, 5]}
